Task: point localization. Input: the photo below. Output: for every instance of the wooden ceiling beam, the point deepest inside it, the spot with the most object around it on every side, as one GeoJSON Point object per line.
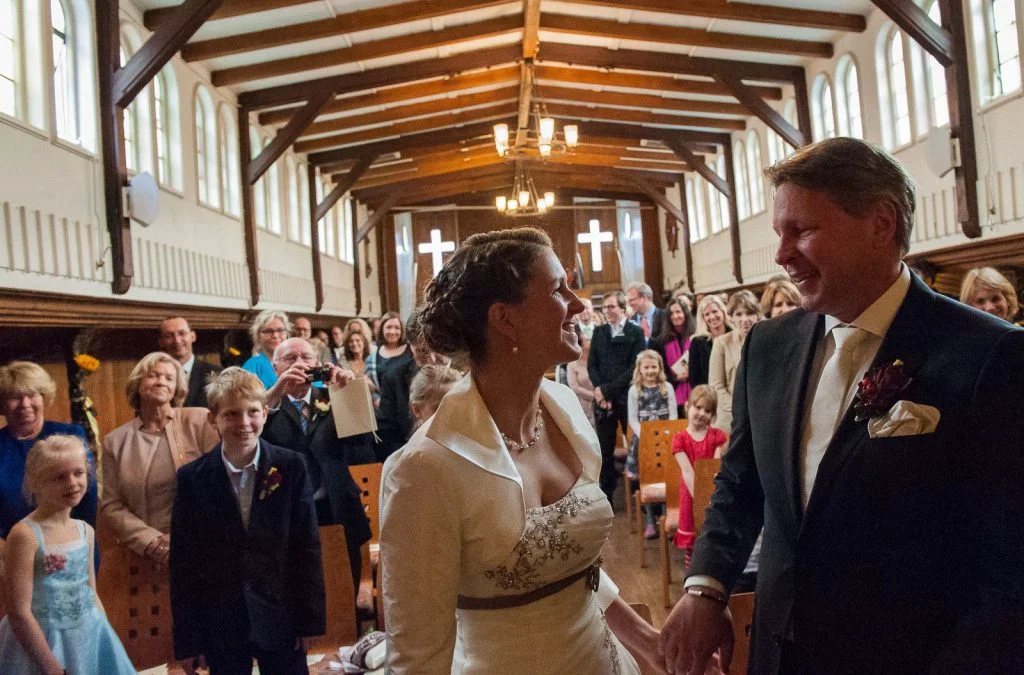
{"type": "Point", "coordinates": [366, 51]}
{"type": "Point", "coordinates": [286, 136]}
{"type": "Point", "coordinates": [436, 107]}
{"type": "Point", "coordinates": [425, 124]}
{"type": "Point", "coordinates": [603, 78]}
{"type": "Point", "coordinates": [402, 94]}
{"type": "Point", "coordinates": [685, 153]}
{"type": "Point", "coordinates": [913, 20]}
{"type": "Point", "coordinates": [798, 138]}
{"type": "Point", "coordinates": [340, 188]}
{"type": "Point", "coordinates": [739, 11]}
{"type": "Point", "coordinates": [531, 23]}
{"type": "Point", "coordinates": [401, 73]}
{"type": "Point", "coordinates": [638, 132]}
{"type": "Point", "coordinates": [342, 24]}
{"type": "Point", "coordinates": [580, 112]}
{"type": "Point", "coordinates": [645, 101]}
{"type": "Point", "coordinates": [377, 217]}
{"type": "Point", "coordinates": [678, 35]}
{"type": "Point", "coordinates": [155, 18]}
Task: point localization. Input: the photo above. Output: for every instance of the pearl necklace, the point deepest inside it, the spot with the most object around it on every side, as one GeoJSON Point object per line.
{"type": "Point", "coordinates": [513, 445]}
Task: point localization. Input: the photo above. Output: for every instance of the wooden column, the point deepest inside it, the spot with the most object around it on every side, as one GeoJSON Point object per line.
{"type": "Point", "coordinates": [685, 224]}
{"type": "Point", "coordinates": [734, 217]}
{"type": "Point", "coordinates": [248, 217]}
{"type": "Point", "coordinates": [357, 276]}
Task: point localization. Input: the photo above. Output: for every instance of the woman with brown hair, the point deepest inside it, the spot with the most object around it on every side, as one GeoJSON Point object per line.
{"type": "Point", "coordinates": [493, 519]}
{"type": "Point", "coordinates": [392, 368]}
{"type": "Point", "coordinates": [744, 312]}
{"type": "Point", "coordinates": [779, 296]}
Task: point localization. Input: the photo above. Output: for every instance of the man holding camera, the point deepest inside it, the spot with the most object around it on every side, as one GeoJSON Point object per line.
{"type": "Point", "coordinates": [301, 419]}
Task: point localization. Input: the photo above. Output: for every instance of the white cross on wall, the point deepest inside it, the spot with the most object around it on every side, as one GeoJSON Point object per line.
{"type": "Point", "coordinates": [435, 248]}
{"type": "Point", "coordinates": [595, 238]}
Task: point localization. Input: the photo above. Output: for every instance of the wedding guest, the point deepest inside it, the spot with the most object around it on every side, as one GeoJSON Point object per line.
{"type": "Point", "coordinates": [302, 328]}
{"type": "Point", "coordinates": [360, 326]}
{"type": "Point", "coordinates": [25, 392]}
{"type": "Point", "coordinates": [986, 289]}
{"type": "Point", "coordinates": [506, 465]}
{"type": "Point", "coordinates": [141, 457]}
{"type": "Point", "coordinates": [744, 312]}
{"type": "Point", "coordinates": [645, 314]}
{"type": "Point", "coordinates": [712, 323]}
{"type": "Point", "coordinates": [394, 368]}
{"type": "Point", "coordinates": [585, 319]}
{"type": "Point", "coordinates": [779, 296]}
{"type": "Point", "coordinates": [337, 344]}
{"type": "Point", "coordinates": [579, 378]}
{"type": "Point", "coordinates": [673, 344]}
{"type": "Point", "coordinates": [268, 330]}
{"type": "Point", "coordinates": [429, 386]}
{"type": "Point", "coordinates": [177, 339]}
{"type": "Point", "coordinates": [247, 577]}
{"type": "Point", "coordinates": [322, 335]}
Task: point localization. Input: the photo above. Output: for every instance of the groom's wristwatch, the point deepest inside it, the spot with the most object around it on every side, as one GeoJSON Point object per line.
{"type": "Point", "coordinates": [709, 593]}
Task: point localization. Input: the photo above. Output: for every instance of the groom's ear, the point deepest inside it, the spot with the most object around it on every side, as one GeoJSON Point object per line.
{"type": "Point", "coordinates": [885, 225]}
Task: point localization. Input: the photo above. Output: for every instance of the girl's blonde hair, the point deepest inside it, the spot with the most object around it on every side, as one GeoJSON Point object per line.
{"type": "Point", "coordinates": [431, 384]}
{"type": "Point", "coordinates": [46, 453]}
{"type": "Point", "coordinates": [703, 395]}
{"type": "Point", "coordinates": [638, 380]}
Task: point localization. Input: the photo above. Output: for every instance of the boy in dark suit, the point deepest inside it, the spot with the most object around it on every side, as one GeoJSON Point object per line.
{"type": "Point", "coordinates": [246, 574]}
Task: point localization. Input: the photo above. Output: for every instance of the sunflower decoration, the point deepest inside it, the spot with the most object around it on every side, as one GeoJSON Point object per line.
{"type": "Point", "coordinates": [87, 363]}
{"type": "Point", "coordinates": [83, 364]}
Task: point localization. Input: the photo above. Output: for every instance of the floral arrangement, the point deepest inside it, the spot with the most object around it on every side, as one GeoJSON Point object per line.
{"type": "Point", "coordinates": [83, 364]}
{"type": "Point", "coordinates": [87, 364]}
{"type": "Point", "coordinates": [270, 483]}
{"type": "Point", "coordinates": [54, 562]}
{"type": "Point", "coordinates": [880, 389]}
{"type": "Point", "coordinates": [234, 352]}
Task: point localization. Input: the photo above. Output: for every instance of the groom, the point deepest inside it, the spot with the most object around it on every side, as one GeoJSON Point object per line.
{"type": "Point", "coordinates": [892, 504]}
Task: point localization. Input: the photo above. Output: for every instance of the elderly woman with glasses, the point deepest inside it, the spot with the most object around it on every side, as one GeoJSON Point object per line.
{"type": "Point", "coordinates": [268, 330]}
{"type": "Point", "coordinates": [25, 392]}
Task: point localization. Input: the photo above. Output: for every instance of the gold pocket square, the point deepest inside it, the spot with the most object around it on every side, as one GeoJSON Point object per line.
{"type": "Point", "coordinates": [904, 419]}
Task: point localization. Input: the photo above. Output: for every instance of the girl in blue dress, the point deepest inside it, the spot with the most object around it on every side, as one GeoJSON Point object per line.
{"type": "Point", "coordinates": [55, 623]}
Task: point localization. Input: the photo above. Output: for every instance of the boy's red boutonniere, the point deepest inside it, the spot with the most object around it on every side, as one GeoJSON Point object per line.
{"type": "Point", "coordinates": [880, 389]}
{"type": "Point", "coordinates": [54, 562]}
{"type": "Point", "coordinates": [270, 482]}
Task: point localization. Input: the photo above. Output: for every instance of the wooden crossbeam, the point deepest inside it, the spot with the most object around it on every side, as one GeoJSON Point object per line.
{"type": "Point", "coordinates": [634, 100]}
{"type": "Point", "coordinates": [916, 23]}
{"type": "Point", "coordinates": [154, 19]}
{"type": "Point", "coordinates": [581, 112]}
{"type": "Point", "coordinates": [672, 85]}
{"type": "Point", "coordinates": [248, 215]}
{"type": "Point", "coordinates": [678, 35]}
{"type": "Point", "coordinates": [286, 136]}
{"type": "Point", "coordinates": [377, 216]}
{"type": "Point", "coordinates": [739, 11]}
{"type": "Point", "coordinates": [776, 122]}
{"type": "Point", "coordinates": [314, 241]}
{"type": "Point", "coordinates": [343, 185]}
{"type": "Point", "coordinates": [734, 217]}
{"type": "Point", "coordinates": [697, 164]}
{"type": "Point", "coordinates": [685, 225]}
{"type": "Point", "coordinates": [380, 77]}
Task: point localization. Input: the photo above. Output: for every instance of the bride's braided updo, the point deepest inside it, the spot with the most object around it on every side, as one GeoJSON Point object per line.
{"type": "Point", "coordinates": [487, 268]}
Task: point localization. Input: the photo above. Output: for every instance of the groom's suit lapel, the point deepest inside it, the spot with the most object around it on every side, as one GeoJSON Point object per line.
{"type": "Point", "coordinates": [906, 340]}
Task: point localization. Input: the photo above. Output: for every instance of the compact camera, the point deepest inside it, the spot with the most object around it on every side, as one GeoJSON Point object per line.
{"type": "Point", "coordinates": [318, 374]}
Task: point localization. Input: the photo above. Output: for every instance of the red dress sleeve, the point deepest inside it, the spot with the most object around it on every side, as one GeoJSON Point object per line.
{"type": "Point", "coordinates": [679, 442]}
{"type": "Point", "coordinates": [719, 438]}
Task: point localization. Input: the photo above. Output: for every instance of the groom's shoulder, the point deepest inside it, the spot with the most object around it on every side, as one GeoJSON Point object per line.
{"type": "Point", "coordinates": [966, 324]}
{"type": "Point", "coordinates": [796, 323]}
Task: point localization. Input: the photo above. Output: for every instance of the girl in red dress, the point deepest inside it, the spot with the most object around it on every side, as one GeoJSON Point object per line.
{"type": "Point", "coordinates": [698, 441]}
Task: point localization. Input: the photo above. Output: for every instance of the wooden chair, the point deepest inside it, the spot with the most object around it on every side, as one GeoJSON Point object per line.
{"type": "Point", "coordinates": [741, 605]}
{"type": "Point", "coordinates": [137, 600]}
{"type": "Point", "coordinates": [655, 449]}
{"type": "Point", "coordinates": [703, 488]}
{"type": "Point", "coordinates": [668, 524]}
{"type": "Point", "coordinates": [368, 477]}
{"type": "Point", "coordinates": [621, 452]}
{"type": "Point", "coordinates": [341, 606]}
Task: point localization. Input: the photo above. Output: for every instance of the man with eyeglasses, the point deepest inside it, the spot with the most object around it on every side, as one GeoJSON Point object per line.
{"type": "Point", "coordinates": [269, 329]}
{"type": "Point", "coordinates": [613, 352]}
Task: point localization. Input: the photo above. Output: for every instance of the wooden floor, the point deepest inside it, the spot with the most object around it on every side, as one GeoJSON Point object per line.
{"type": "Point", "coordinates": [640, 584]}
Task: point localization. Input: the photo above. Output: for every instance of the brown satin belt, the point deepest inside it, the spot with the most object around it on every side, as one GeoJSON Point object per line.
{"type": "Point", "coordinates": [592, 574]}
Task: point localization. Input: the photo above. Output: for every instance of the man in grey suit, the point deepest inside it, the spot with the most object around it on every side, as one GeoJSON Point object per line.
{"type": "Point", "coordinates": [176, 338]}
{"type": "Point", "coordinates": [878, 439]}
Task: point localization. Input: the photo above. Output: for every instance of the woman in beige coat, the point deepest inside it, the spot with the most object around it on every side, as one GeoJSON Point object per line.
{"type": "Point", "coordinates": [141, 458]}
{"type": "Point", "coordinates": [744, 311]}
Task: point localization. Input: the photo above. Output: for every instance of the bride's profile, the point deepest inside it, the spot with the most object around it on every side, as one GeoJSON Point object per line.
{"type": "Point", "coordinates": [492, 518]}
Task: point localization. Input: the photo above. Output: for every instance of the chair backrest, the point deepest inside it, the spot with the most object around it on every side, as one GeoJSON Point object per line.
{"type": "Point", "coordinates": [137, 600]}
{"type": "Point", "coordinates": [673, 477]}
{"type": "Point", "coordinates": [367, 478]}
{"type": "Point", "coordinates": [341, 604]}
{"type": "Point", "coordinates": [741, 606]}
{"type": "Point", "coordinates": [704, 472]}
{"type": "Point", "coordinates": [656, 448]}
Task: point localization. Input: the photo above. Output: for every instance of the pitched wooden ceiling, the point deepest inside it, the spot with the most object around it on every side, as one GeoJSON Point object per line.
{"type": "Point", "coordinates": [390, 96]}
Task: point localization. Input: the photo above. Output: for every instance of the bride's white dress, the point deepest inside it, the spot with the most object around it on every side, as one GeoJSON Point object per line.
{"type": "Point", "coordinates": [562, 633]}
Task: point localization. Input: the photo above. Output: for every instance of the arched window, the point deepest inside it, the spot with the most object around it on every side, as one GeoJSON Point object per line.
{"type": "Point", "coordinates": [723, 201]}
{"type": "Point", "coordinates": [291, 181]}
{"type": "Point", "coordinates": [131, 131]}
{"type": "Point", "coordinates": [823, 109]}
{"type": "Point", "coordinates": [848, 88]}
{"type": "Point", "coordinates": [227, 152]}
{"type": "Point", "coordinates": [938, 102]}
{"type": "Point", "coordinates": [691, 210]}
{"type": "Point", "coordinates": [739, 165]}
{"type": "Point", "coordinates": [328, 221]}
{"type": "Point", "coordinates": [304, 217]}
{"type": "Point", "coordinates": [207, 173]}
{"type": "Point", "coordinates": [348, 247]}
{"type": "Point", "coordinates": [64, 99]}
{"type": "Point", "coordinates": [9, 61]}
{"type": "Point", "coordinates": [273, 180]}
{"type": "Point", "coordinates": [756, 181]}
{"type": "Point", "coordinates": [259, 190]}
{"type": "Point", "coordinates": [698, 201]}
{"type": "Point", "coordinates": [789, 113]}
{"type": "Point", "coordinates": [1004, 47]}
{"type": "Point", "coordinates": [714, 208]}
{"type": "Point", "coordinates": [167, 128]}
{"type": "Point", "coordinates": [898, 93]}
{"type": "Point", "coordinates": [138, 142]}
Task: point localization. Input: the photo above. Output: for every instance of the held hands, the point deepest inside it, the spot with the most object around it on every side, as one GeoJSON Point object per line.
{"type": "Point", "coordinates": [693, 632]}
{"type": "Point", "coordinates": [159, 551]}
{"type": "Point", "coordinates": [190, 665]}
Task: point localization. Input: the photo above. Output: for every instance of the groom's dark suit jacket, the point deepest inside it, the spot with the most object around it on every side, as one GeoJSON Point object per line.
{"type": "Point", "coordinates": [909, 557]}
{"type": "Point", "coordinates": [230, 584]}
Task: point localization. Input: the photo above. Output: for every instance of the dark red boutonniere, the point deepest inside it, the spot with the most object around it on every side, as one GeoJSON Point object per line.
{"type": "Point", "coordinates": [54, 562]}
{"type": "Point", "coordinates": [880, 389]}
{"type": "Point", "coordinates": [270, 482]}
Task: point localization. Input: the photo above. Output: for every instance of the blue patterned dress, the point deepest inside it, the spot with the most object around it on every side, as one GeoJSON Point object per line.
{"type": "Point", "coordinates": [77, 632]}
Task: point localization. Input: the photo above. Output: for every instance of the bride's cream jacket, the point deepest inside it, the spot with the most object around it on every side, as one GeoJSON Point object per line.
{"type": "Point", "coordinates": [452, 507]}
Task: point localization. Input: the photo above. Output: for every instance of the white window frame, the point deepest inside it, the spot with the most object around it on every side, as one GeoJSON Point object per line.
{"type": "Point", "coordinates": [850, 110]}
{"type": "Point", "coordinates": [891, 94]}
{"type": "Point", "coordinates": [723, 201]}
{"type": "Point", "coordinates": [739, 165]}
{"type": "Point", "coordinates": [754, 166]}
{"type": "Point", "coordinates": [206, 139]}
{"type": "Point", "coordinates": [259, 190]}
{"type": "Point", "coordinates": [823, 108]}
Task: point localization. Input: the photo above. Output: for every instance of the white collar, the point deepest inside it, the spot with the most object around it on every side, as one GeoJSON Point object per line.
{"type": "Point", "coordinates": [620, 326]}
{"type": "Point", "coordinates": [463, 425]}
{"type": "Point", "coordinates": [187, 366]}
{"type": "Point", "coordinates": [251, 465]}
{"type": "Point", "coordinates": [302, 398]}
{"type": "Point", "coordinates": [877, 318]}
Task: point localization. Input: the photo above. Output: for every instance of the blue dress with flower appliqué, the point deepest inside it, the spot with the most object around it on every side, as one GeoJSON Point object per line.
{"type": "Point", "coordinates": [77, 632]}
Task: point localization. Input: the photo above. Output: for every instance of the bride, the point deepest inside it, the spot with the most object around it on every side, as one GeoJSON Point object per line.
{"type": "Point", "coordinates": [492, 518]}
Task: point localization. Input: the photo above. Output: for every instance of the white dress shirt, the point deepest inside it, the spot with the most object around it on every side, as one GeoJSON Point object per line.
{"type": "Point", "coordinates": [187, 367]}
{"type": "Point", "coordinates": [617, 328]}
{"type": "Point", "coordinates": [243, 482]}
{"type": "Point", "coordinates": [875, 320]}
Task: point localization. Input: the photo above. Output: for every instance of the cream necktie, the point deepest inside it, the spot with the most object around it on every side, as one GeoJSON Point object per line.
{"type": "Point", "coordinates": [827, 407]}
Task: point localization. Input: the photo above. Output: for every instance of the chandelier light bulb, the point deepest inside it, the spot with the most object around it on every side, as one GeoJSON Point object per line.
{"type": "Point", "coordinates": [500, 202]}
{"type": "Point", "coordinates": [572, 135]}
{"type": "Point", "coordinates": [542, 205]}
{"type": "Point", "coordinates": [501, 134]}
{"type": "Point", "coordinates": [549, 198]}
{"type": "Point", "coordinates": [547, 129]}
{"type": "Point", "coordinates": [524, 197]}
{"type": "Point", "coordinates": [545, 150]}
{"type": "Point", "coordinates": [513, 205]}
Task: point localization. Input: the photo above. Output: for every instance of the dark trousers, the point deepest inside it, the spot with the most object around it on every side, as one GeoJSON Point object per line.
{"type": "Point", "coordinates": [355, 556]}
{"type": "Point", "coordinates": [238, 661]}
{"type": "Point", "coordinates": [605, 422]}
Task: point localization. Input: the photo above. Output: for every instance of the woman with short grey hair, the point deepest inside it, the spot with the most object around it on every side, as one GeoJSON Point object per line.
{"type": "Point", "coordinates": [269, 329]}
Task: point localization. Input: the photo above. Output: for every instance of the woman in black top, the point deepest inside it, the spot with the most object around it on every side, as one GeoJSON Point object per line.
{"type": "Point", "coordinates": [395, 368]}
{"type": "Point", "coordinates": [713, 323]}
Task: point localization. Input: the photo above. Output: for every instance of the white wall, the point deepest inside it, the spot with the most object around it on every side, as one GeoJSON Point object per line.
{"type": "Point", "coordinates": [53, 232]}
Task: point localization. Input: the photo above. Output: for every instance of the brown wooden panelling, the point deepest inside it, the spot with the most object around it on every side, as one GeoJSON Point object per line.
{"type": "Point", "coordinates": [653, 271]}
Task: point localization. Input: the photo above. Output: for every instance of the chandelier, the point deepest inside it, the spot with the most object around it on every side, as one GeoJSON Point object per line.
{"type": "Point", "coordinates": [524, 200]}
{"type": "Point", "coordinates": [542, 138]}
